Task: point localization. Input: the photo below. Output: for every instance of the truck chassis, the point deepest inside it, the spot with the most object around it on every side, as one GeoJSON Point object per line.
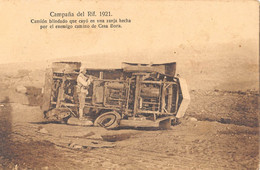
{"type": "Point", "coordinates": [139, 95]}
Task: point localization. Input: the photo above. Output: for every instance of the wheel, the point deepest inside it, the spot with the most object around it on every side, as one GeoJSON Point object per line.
{"type": "Point", "coordinates": [108, 120]}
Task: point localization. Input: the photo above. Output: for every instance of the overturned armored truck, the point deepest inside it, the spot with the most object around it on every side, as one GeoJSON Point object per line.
{"type": "Point", "coordinates": [139, 95]}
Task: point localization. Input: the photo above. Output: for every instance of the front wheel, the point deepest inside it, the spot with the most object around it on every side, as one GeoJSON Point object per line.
{"type": "Point", "coordinates": [109, 120]}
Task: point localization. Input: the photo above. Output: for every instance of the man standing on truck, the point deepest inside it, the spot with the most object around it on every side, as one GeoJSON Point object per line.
{"type": "Point", "coordinates": [83, 83]}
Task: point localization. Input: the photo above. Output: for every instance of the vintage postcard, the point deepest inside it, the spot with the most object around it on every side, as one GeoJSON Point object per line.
{"type": "Point", "coordinates": [114, 84]}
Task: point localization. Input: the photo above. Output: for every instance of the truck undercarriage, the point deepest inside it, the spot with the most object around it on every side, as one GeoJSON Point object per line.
{"type": "Point", "coordinates": [139, 95]}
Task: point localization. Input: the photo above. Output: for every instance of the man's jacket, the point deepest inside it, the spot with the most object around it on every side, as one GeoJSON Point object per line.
{"type": "Point", "coordinates": [83, 83]}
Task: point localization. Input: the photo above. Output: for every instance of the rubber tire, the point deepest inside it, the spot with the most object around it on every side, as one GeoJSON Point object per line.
{"type": "Point", "coordinates": [114, 123]}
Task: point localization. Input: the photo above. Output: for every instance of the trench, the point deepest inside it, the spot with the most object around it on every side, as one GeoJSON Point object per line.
{"type": "Point", "coordinates": [25, 153]}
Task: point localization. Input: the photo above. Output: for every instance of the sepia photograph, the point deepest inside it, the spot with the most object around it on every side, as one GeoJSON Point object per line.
{"type": "Point", "coordinates": [128, 85]}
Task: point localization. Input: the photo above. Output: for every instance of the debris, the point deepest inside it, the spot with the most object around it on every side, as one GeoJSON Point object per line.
{"type": "Point", "coordinates": [43, 130]}
{"type": "Point", "coordinates": [80, 144]}
{"type": "Point", "coordinates": [95, 137]}
{"type": "Point", "coordinates": [89, 134]}
{"type": "Point", "coordinates": [76, 121]}
{"type": "Point", "coordinates": [193, 119]}
{"type": "Point", "coordinates": [75, 146]}
{"type": "Point", "coordinates": [21, 89]}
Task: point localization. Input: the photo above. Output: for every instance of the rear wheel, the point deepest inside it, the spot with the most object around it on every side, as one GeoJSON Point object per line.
{"type": "Point", "coordinates": [108, 120]}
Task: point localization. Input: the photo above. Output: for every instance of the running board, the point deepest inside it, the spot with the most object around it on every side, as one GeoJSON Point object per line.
{"type": "Point", "coordinates": [143, 123]}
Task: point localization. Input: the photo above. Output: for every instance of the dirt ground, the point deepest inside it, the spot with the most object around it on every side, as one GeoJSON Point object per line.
{"type": "Point", "coordinates": [220, 131]}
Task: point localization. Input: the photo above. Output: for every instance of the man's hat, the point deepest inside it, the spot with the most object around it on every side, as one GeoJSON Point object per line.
{"type": "Point", "coordinates": [83, 70]}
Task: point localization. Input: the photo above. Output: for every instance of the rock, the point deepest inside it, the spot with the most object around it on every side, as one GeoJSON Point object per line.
{"type": "Point", "coordinates": [71, 144]}
{"type": "Point", "coordinates": [116, 137]}
{"type": "Point", "coordinates": [43, 130]}
{"type": "Point", "coordinates": [21, 89]}
{"type": "Point", "coordinates": [76, 121]}
{"type": "Point", "coordinates": [75, 146]}
{"type": "Point", "coordinates": [86, 143]}
{"type": "Point", "coordinates": [193, 119]}
{"type": "Point", "coordinates": [96, 137]}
